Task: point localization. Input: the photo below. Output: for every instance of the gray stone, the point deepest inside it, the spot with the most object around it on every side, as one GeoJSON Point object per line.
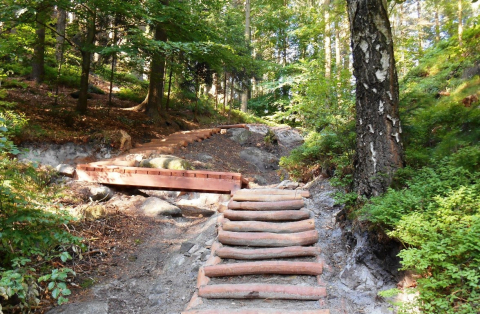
{"type": "Point", "coordinates": [94, 307]}
{"type": "Point", "coordinates": [193, 249]}
{"type": "Point", "coordinates": [260, 180]}
{"type": "Point", "coordinates": [100, 193]}
{"type": "Point", "coordinates": [260, 159]}
{"type": "Point", "coordinates": [154, 206]}
{"type": "Point", "coordinates": [240, 135]}
{"type": "Point", "coordinates": [287, 184]}
{"type": "Point", "coordinates": [358, 277]}
{"type": "Point", "coordinates": [186, 246]}
{"type": "Point", "coordinates": [258, 128]}
{"type": "Point", "coordinates": [66, 170]}
{"type": "Point", "coordinates": [166, 162]}
{"type": "Point", "coordinates": [288, 137]}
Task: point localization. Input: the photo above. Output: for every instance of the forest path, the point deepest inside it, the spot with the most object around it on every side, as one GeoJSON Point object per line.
{"type": "Point", "coordinates": [160, 275]}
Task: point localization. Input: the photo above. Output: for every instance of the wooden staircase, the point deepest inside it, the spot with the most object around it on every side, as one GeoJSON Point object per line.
{"type": "Point", "coordinates": [259, 234]}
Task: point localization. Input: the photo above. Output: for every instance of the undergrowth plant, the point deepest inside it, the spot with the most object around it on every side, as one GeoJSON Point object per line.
{"type": "Point", "coordinates": [32, 232]}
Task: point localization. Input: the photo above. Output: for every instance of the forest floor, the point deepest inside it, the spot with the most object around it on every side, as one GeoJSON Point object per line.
{"type": "Point", "coordinates": [140, 264]}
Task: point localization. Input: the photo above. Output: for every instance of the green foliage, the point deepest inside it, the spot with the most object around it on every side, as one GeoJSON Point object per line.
{"type": "Point", "coordinates": [131, 94]}
{"type": "Point", "coordinates": [331, 150]}
{"type": "Point", "coordinates": [437, 218]}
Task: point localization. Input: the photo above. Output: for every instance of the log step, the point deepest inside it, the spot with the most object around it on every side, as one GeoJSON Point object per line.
{"type": "Point", "coordinates": [256, 311]}
{"type": "Point", "coordinates": [303, 193]}
{"type": "Point", "coordinates": [261, 291]}
{"type": "Point", "coordinates": [262, 268]}
{"type": "Point", "coordinates": [257, 254]}
{"type": "Point", "coordinates": [259, 226]}
{"type": "Point", "coordinates": [283, 215]}
{"type": "Point", "coordinates": [243, 197]}
{"type": "Point", "coordinates": [259, 206]}
{"type": "Point", "coordinates": [266, 239]}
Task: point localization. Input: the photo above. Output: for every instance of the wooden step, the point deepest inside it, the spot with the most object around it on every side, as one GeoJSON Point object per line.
{"type": "Point", "coordinates": [256, 311]}
{"type": "Point", "coordinates": [263, 268]}
{"type": "Point", "coordinates": [280, 205]}
{"type": "Point", "coordinates": [243, 197]}
{"type": "Point", "coordinates": [261, 291]}
{"type": "Point", "coordinates": [166, 179]}
{"type": "Point", "coordinates": [303, 193]}
{"type": "Point", "coordinates": [260, 226]}
{"type": "Point", "coordinates": [282, 215]}
{"type": "Point", "coordinates": [152, 150]}
{"type": "Point", "coordinates": [266, 239]}
{"type": "Point", "coordinates": [258, 254]}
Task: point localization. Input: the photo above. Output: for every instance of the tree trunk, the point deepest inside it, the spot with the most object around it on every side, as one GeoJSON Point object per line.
{"type": "Point", "coordinates": [157, 69]}
{"type": "Point", "coordinates": [61, 25]}
{"type": "Point", "coordinates": [419, 28]}
{"type": "Point", "coordinates": [327, 41]}
{"type": "Point", "coordinates": [460, 23]}
{"type": "Point", "coordinates": [114, 59]}
{"type": "Point", "coordinates": [379, 148]}
{"type": "Point", "coordinates": [224, 92]}
{"type": "Point", "coordinates": [38, 62]}
{"type": "Point", "coordinates": [437, 24]}
{"type": "Point", "coordinates": [86, 53]}
{"type": "Point", "coordinates": [338, 55]}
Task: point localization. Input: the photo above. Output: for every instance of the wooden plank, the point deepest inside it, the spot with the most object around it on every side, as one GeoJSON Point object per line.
{"type": "Point", "coordinates": [275, 227]}
{"type": "Point", "coordinates": [263, 268]}
{"type": "Point", "coordinates": [150, 151]}
{"type": "Point", "coordinates": [242, 197]}
{"type": "Point", "coordinates": [261, 291]}
{"type": "Point", "coordinates": [256, 311]}
{"type": "Point", "coordinates": [233, 126]}
{"type": "Point", "coordinates": [267, 239]}
{"type": "Point", "coordinates": [283, 215]}
{"type": "Point", "coordinates": [280, 205]}
{"type": "Point", "coordinates": [146, 177]}
{"type": "Point", "coordinates": [303, 193]}
{"type": "Point", "coordinates": [256, 254]}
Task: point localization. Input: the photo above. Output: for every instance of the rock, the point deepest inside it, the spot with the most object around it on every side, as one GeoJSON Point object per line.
{"type": "Point", "coordinates": [93, 212]}
{"type": "Point", "coordinates": [154, 206]}
{"type": "Point", "coordinates": [100, 193]}
{"type": "Point", "coordinates": [209, 242]}
{"type": "Point", "coordinates": [204, 157]}
{"type": "Point", "coordinates": [94, 307]}
{"type": "Point", "coordinates": [358, 277]}
{"type": "Point", "coordinates": [287, 185]}
{"type": "Point", "coordinates": [288, 137]}
{"type": "Point", "coordinates": [125, 141]}
{"type": "Point", "coordinates": [260, 180]}
{"type": "Point", "coordinates": [66, 170]}
{"type": "Point", "coordinates": [186, 246]}
{"type": "Point", "coordinates": [166, 162]}
{"type": "Point", "coordinates": [240, 135]}
{"type": "Point", "coordinates": [260, 159]}
{"type": "Point", "coordinates": [193, 249]}
{"type": "Point", "coordinates": [258, 128]}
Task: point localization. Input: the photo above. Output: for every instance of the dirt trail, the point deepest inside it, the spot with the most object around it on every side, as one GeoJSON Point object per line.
{"type": "Point", "coordinates": [160, 276]}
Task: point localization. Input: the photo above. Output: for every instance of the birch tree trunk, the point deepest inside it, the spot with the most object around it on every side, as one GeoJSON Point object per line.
{"type": "Point", "coordinates": [379, 147]}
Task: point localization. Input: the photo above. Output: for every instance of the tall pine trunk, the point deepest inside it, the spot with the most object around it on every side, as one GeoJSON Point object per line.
{"type": "Point", "coordinates": [86, 52]}
{"type": "Point", "coordinates": [327, 40]}
{"type": "Point", "coordinates": [379, 148]}
{"type": "Point", "coordinates": [61, 25]}
{"type": "Point", "coordinates": [38, 62]}
{"type": "Point", "coordinates": [157, 73]}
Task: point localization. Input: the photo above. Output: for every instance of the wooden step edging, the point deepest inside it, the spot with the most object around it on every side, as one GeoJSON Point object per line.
{"type": "Point", "coordinates": [275, 227]}
{"type": "Point", "coordinates": [269, 253]}
{"type": "Point", "coordinates": [283, 215]}
{"type": "Point", "coordinates": [266, 239]}
{"type": "Point", "coordinates": [265, 206]}
{"type": "Point", "coordinates": [256, 311]}
{"type": "Point", "coordinates": [244, 197]}
{"type": "Point", "coordinates": [303, 193]}
{"type": "Point", "coordinates": [263, 268]}
{"type": "Point", "coordinates": [261, 291]}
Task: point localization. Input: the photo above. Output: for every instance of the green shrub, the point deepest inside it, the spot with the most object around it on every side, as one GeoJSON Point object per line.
{"type": "Point", "coordinates": [131, 94]}
{"type": "Point", "coordinates": [437, 218]}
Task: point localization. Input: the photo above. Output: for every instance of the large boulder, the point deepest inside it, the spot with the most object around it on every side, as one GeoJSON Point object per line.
{"type": "Point", "coordinates": [239, 135]}
{"type": "Point", "coordinates": [288, 137]}
{"type": "Point", "coordinates": [66, 170]}
{"type": "Point", "coordinates": [166, 162]}
{"type": "Point", "coordinates": [261, 159]}
{"type": "Point", "coordinates": [100, 193]}
{"type": "Point", "coordinates": [154, 207]}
